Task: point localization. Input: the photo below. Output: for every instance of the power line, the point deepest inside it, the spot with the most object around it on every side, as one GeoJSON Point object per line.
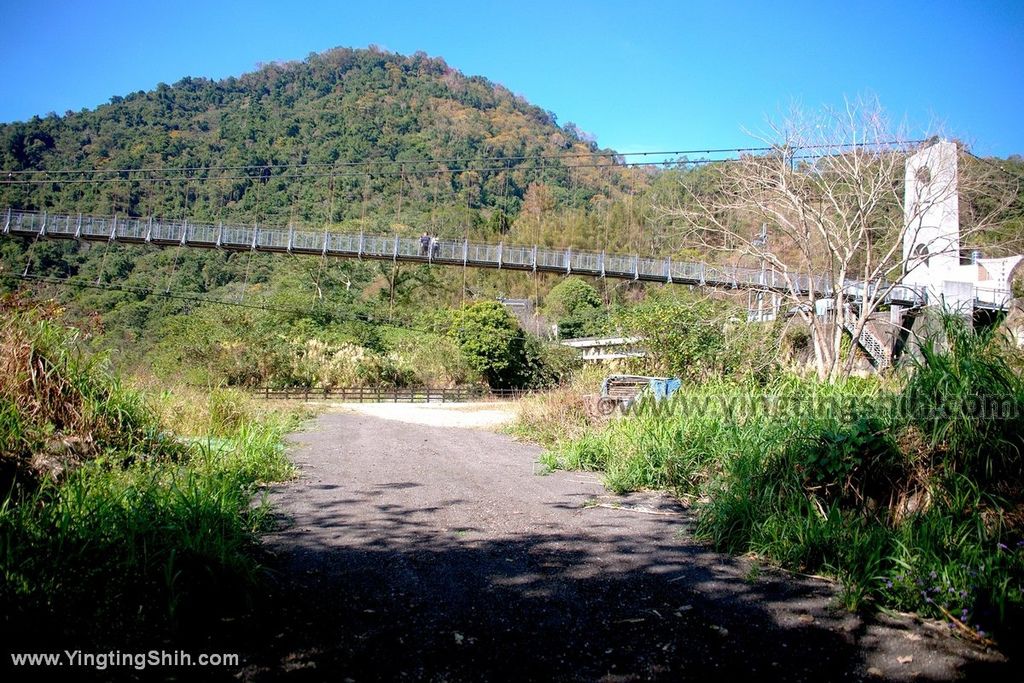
{"type": "Point", "coordinates": [1017, 175]}
{"type": "Point", "coordinates": [390, 162]}
{"type": "Point", "coordinates": [334, 166]}
{"type": "Point", "coordinates": [145, 291]}
{"type": "Point", "coordinates": [321, 174]}
{"type": "Point", "coordinates": [667, 164]}
{"type": "Point", "coordinates": [335, 174]}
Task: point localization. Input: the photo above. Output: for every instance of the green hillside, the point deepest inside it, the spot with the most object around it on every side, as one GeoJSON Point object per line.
{"type": "Point", "coordinates": [353, 139]}
{"type": "Point", "coordinates": [341, 136]}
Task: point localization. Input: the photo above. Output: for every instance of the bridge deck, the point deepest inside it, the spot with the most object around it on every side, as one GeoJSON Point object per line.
{"type": "Point", "coordinates": [446, 252]}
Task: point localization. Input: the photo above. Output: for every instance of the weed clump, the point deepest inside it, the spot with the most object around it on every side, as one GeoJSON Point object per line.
{"type": "Point", "coordinates": [60, 408]}
{"type": "Point", "coordinates": [124, 523]}
{"type": "Point", "coordinates": [908, 491]}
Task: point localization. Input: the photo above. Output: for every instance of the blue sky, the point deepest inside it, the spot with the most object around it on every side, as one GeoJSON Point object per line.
{"type": "Point", "coordinates": [640, 75]}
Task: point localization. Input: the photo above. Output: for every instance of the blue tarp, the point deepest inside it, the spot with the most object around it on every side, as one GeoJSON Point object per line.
{"type": "Point", "coordinates": [663, 388]}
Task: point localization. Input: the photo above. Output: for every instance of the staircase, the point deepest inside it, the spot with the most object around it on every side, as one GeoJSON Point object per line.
{"type": "Point", "coordinates": [875, 348]}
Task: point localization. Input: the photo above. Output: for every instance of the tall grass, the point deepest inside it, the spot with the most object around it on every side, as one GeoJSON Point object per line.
{"type": "Point", "coordinates": [973, 401]}
{"type": "Point", "coordinates": [683, 442]}
{"type": "Point", "coordinates": [566, 412]}
{"type": "Point", "coordinates": [144, 528]}
{"type": "Point", "coordinates": [61, 406]}
{"type": "Point", "coordinates": [859, 479]}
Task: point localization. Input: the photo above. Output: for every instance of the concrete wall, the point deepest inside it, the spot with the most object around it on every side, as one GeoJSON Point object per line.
{"type": "Point", "coordinates": [931, 245]}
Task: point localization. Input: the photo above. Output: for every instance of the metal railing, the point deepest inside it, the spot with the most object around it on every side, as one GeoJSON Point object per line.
{"type": "Point", "coordinates": [998, 299]}
{"type": "Point", "coordinates": [881, 355]}
{"type": "Point", "coordinates": [378, 395]}
{"type": "Point", "coordinates": [442, 251]}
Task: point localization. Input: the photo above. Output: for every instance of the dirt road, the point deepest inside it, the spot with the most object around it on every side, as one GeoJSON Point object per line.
{"type": "Point", "coordinates": [414, 552]}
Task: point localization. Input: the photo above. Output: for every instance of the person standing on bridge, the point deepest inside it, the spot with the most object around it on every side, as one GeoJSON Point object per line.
{"type": "Point", "coordinates": [435, 247]}
{"type": "Point", "coordinates": [424, 244]}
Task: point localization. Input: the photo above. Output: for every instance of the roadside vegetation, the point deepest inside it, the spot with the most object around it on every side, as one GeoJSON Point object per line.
{"type": "Point", "coordinates": [122, 509]}
{"type": "Point", "coordinates": [908, 490]}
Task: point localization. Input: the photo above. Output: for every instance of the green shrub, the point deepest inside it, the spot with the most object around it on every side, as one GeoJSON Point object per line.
{"type": "Point", "coordinates": [572, 296]}
{"type": "Point", "coordinates": [63, 405]}
{"type": "Point", "coordinates": [145, 540]}
{"type": "Point", "coordinates": [577, 307]}
{"type": "Point", "coordinates": [700, 339]}
{"type": "Point", "coordinates": [491, 342]}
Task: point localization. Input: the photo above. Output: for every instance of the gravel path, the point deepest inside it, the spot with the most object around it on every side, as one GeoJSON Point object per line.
{"type": "Point", "coordinates": [415, 552]}
{"type": "Point", "coordinates": [469, 415]}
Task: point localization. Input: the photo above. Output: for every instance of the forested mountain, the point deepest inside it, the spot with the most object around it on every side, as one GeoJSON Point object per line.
{"type": "Point", "coordinates": [354, 139]}
{"type": "Point", "coordinates": [339, 136]}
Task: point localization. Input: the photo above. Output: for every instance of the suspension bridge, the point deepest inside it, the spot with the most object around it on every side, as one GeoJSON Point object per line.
{"type": "Point", "coordinates": [935, 273]}
{"type": "Point", "coordinates": [444, 252]}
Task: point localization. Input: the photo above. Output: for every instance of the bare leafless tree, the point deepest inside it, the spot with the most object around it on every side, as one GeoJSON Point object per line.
{"type": "Point", "coordinates": [830, 195]}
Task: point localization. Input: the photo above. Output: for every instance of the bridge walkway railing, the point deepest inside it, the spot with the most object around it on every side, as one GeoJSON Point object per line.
{"type": "Point", "coordinates": [450, 252]}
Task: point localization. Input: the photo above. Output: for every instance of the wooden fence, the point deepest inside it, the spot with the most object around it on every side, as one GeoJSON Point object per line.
{"type": "Point", "coordinates": [375, 395]}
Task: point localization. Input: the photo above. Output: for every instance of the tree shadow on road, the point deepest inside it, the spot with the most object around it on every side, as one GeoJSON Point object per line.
{"type": "Point", "coordinates": [391, 596]}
